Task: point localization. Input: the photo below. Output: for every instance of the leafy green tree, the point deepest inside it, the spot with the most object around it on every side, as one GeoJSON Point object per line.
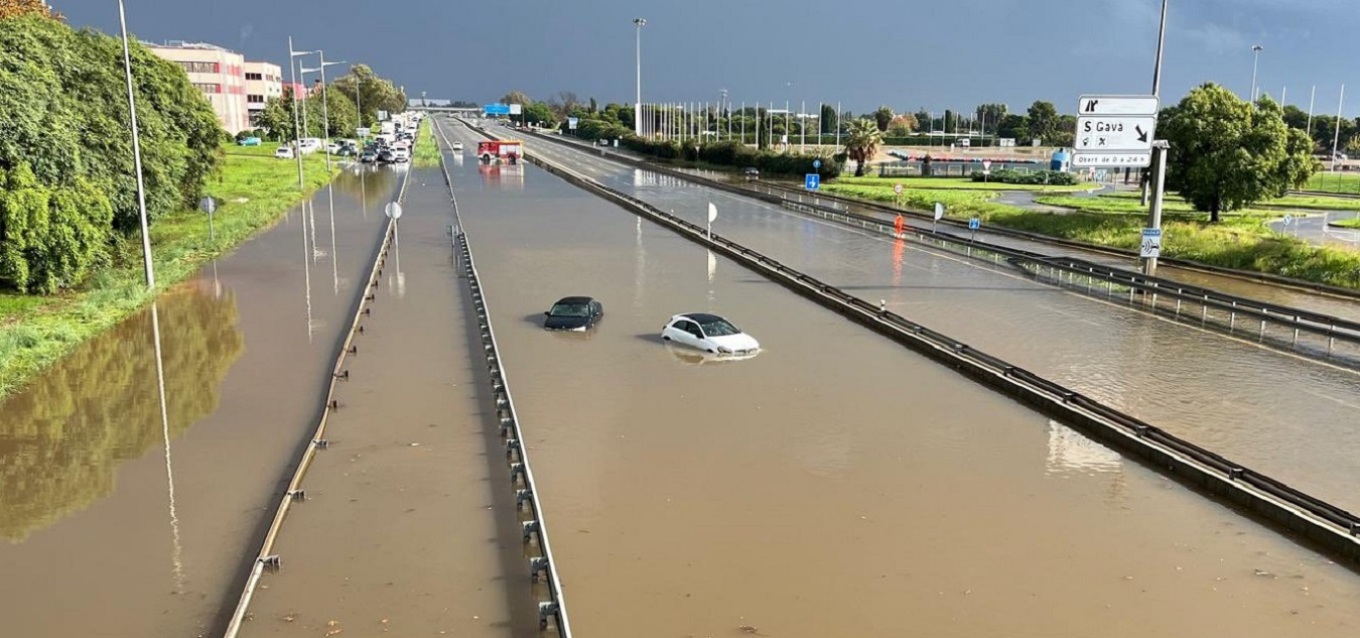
{"type": "Point", "coordinates": [865, 140]}
{"type": "Point", "coordinates": [902, 125]}
{"type": "Point", "coordinates": [1226, 155]}
{"type": "Point", "coordinates": [16, 8]}
{"type": "Point", "coordinates": [1042, 119]}
{"type": "Point", "coordinates": [516, 97]}
{"type": "Point", "coordinates": [539, 113]}
{"type": "Point", "coordinates": [1014, 126]}
{"type": "Point", "coordinates": [828, 119]}
{"type": "Point", "coordinates": [63, 114]}
{"type": "Point", "coordinates": [50, 237]}
{"type": "Point", "coordinates": [883, 117]}
{"type": "Point", "coordinates": [277, 117]}
{"type": "Point", "coordinates": [371, 92]}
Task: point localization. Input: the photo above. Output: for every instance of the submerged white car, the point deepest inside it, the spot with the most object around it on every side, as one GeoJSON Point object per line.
{"type": "Point", "coordinates": [458, 146]}
{"type": "Point", "coordinates": [709, 333]}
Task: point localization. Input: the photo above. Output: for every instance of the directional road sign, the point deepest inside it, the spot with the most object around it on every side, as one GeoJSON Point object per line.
{"type": "Point", "coordinates": [974, 223]}
{"type": "Point", "coordinates": [812, 181]}
{"type": "Point", "coordinates": [1151, 247]}
{"type": "Point", "coordinates": [1115, 130]}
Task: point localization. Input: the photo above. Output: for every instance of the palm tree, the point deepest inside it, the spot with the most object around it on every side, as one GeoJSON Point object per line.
{"type": "Point", "coordinates": [863, 144]}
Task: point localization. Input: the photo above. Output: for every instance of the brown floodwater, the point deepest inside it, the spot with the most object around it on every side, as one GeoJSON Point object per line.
{"type": "Point", "coordinates": [836, 484]}
{"type": "Point", "coordinates": [119, 524]}
{"type": "Point", "coordinates": [410, 525]}
{"type": "Point", "coordinates": [1287, 416]}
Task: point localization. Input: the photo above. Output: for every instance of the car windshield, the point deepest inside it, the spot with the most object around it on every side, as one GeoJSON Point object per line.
{"type": "Point", "coordinates": [570, 310]}
{"type": "Point", "coordinates": [719, 328]}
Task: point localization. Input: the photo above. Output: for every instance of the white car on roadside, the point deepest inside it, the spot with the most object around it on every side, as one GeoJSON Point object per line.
{"type": "Point", "coordinates": [709, 333]}
{"type": "Point", "coordinates": [284, 152]}
{"type": "Point", "coordinates": [458, 146]}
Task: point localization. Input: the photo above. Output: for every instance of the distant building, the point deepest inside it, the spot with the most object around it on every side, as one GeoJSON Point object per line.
{"type": "Point", "coordinates": [263, 81]}
{"type": "Point", "coordinates": [218, 73]}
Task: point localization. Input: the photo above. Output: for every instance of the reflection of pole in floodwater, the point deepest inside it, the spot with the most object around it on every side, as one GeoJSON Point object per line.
{"type": "Point", "coordinates": [363, 188]}
{"type": "Point", "coordinates": [177, 552]}
{"type": "Point", "coordinates": [335, 268]}
{"type": "Point", "coordinates": [217, 284]}
{"type": "Point", "coordinates": [899, 247]}
{"type": "Point", "coordinates": [639, 267]}
{"type": "Point", "coordinates": [311, 218]}
{"type": "Point", "coordinates": [307, 271]}
{"type": "Point", "coordinates": [712, 271]}
{"type": "Point", "coordinates": [396, 245]}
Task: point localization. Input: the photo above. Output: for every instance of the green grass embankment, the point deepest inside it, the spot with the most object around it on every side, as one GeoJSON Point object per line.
{"type": "Point", "coordinates": [253, 191]}
{"type": "Point", "coordinates": [954, 183]}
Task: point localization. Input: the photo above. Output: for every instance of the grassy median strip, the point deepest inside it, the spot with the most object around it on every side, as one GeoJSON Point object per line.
{"type": "Point", "coordinates": [1243, 241]}
{"type": "Point", "coordinates": [426, 153]}
{"type": "Point", "coordinates": [253, 191]}
{"type": "Point", "coordinates": [954, 183]}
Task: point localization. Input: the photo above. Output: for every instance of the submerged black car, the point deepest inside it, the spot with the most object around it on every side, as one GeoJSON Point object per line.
{"type": "Point", "coordinates": [573, 313]}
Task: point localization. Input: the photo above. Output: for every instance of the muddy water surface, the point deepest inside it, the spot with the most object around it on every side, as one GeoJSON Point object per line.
{"type": "Point", "coordinates": [409, 526]}
{"type": "Point", "coordinates": [836, 484]}
{"type": "Point", "coordinates": [1283, 415]}
{"type": "Point", "coordinates": [114, 528]}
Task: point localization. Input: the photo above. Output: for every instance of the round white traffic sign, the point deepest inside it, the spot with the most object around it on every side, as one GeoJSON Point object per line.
{"type": "Point", "coordinates": [393, 210]}
{"type": "Point", "coordinates": [897, 188]}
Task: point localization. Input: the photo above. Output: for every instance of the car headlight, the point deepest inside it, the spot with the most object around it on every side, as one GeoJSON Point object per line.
{"type": "Point", "coordinates": [722, 350]}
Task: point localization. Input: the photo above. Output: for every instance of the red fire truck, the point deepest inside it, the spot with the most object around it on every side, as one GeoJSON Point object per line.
{"type": "Point", "coordinates": [504, 150]}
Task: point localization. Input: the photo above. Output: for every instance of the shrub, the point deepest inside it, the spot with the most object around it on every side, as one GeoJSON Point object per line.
{"type": "Point", "coordinates": [1007, 176]}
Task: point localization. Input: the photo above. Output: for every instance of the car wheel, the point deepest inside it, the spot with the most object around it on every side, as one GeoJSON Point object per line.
{"type": "Point", "coordinates": [665, 338]}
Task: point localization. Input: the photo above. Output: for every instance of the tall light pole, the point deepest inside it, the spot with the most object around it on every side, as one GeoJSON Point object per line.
{"type": "Point", "coordinates": [325, 104]}
{"type": "Point", "coordinates": [136, 152]}
{"type": "Point", "coordinates": [1256, 59]}
{"type": "Point", "coordinates": [638, 23]}
{"type": "Point", "coordinates": [297, 130]}
{"type": "Point", "coordinates": [1159, 147]}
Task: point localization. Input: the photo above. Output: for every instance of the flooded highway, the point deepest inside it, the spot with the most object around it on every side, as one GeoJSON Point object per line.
{"type": "Point", "coordinates": [836, 484]}
{"type": "Point", "coordinates": [1286, 416]}
{"type": "Point", "coordinates": [414, 473]}
{"type": "Point", "coordinates": [1324, 304]}
{"type": "Point", "coordinates": [119, 524]}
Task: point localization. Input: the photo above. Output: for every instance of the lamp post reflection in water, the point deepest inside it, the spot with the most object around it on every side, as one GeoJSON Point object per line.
{"type": "Point", "coordinates": [335, 257]}
{"type": "Point", "coordinates": [712, 271]}
{"type": "Point", "coordinates": [396, 246]}
{"type": "Point", "coordinates": [306, 269]}
{"type": "Point", "coordinates": [639, 267]}
{"type": "Point", "coordinates": [177, 552]}
{"type": "Point", "coordinates": [899, 248]}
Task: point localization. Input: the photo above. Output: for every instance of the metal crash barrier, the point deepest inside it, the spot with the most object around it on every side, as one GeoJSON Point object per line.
{"type": "Point", "coordinates": [542, 567]}
{"type": "Point", "coordinates": [1325, 526]}
{"type": "Point", "coordinates": [1230, 314]}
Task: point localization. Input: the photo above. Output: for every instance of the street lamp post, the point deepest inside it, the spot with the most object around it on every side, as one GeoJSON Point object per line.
{"type": "Point", "coordinates": [137, 152]}
{"type": "Point", "coordinates": [325, 103]}
{"type": "Point", "coordinates": [297, 130]}
{"type": "Point", "coordinates": [638, 23]}
{"type": "Point", "coordinates": [1256, 59]}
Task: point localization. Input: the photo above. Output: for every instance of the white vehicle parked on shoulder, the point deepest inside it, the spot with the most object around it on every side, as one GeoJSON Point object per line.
{"type": "Point", "coordinates": [710, 333]}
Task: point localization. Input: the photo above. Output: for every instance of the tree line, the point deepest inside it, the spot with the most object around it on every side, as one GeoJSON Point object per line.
{"type": "Point", "coordinates": [67, 185]}
{"type": "Point", "coordinates": [342, 98]}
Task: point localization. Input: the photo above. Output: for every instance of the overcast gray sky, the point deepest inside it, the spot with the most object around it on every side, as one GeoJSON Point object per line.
{"type": "Point", "coordinates": [905, 53]}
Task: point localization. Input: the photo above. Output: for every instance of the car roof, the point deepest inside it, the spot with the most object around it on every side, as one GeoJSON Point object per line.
{"type": "Point", "coordinates": [577, 299]}
{"type": "Point", "coordinates": [701, 317]}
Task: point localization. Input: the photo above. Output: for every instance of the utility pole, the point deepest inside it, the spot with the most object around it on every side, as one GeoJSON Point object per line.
{"type": "Point", "coordinates": [1159, 148]}
{"type": "Point", "coordinates": [136, 153]}
{"type": "Point", "coordinates": [638, 23]}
